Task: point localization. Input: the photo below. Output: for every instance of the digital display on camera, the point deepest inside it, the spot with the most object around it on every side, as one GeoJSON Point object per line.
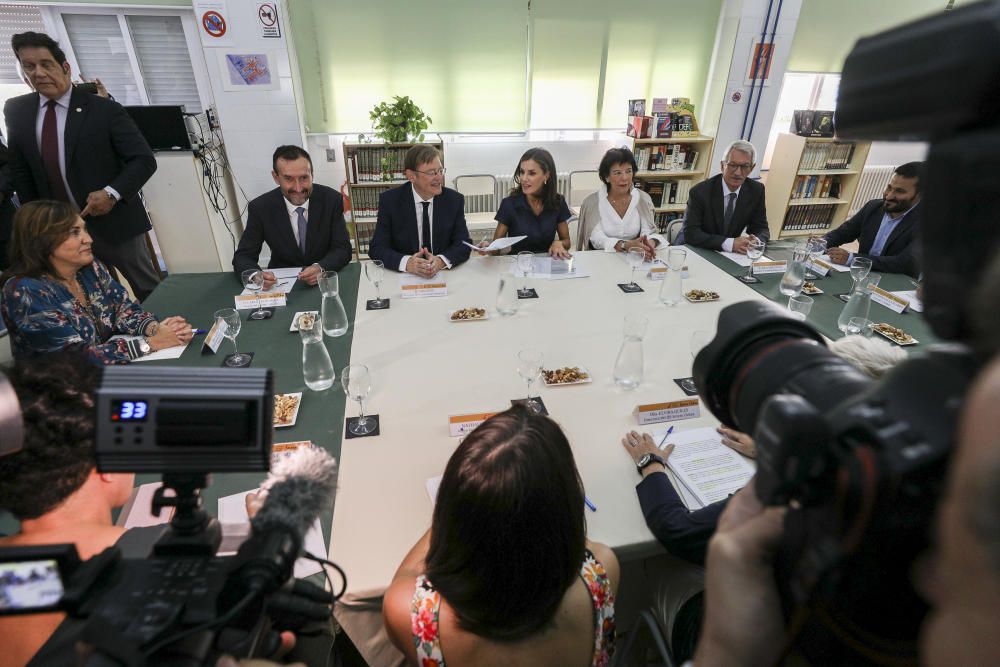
{"type": "Point", "coordinates": [128, 411]}
{"type": "Point", "coordinates": [34, 585]}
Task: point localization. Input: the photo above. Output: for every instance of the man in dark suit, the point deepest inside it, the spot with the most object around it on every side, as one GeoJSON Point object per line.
{"type": "Point", "coordinates": [421, 225]}
{"type": "Point", "coordinates": [720, 208]}
{"type": "Point", "coordinates": [82, 149]}
{"type": "Point", "coordinates": [885, 229]}
{"type": "Point", "coordinates": [301, 222]}
{"type": "Point", "coordinates": [7, 209]}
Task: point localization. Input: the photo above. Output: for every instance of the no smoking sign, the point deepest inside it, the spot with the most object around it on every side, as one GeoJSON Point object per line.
{"type": "Point", "coordinates": [213, 23]}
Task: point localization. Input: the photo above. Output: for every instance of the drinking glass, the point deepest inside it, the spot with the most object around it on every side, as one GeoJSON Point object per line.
{"type": "Point", "coordinates": [671, 287]}
{"type": "Point", "coordinates": [357, 383]}
{"type": "Point", "coordinates": [231, 320]}
{"type": "Point", "coordinates": [795, 271]}
{"type": "Point", "coordinates": [816, 247]}
{"type": "Point", "coordinates": [860, 268]}
{"type": "Point", "coordinates": [253, 280]}
{"type": "Point", "coordinates": [859, 326]}
{"type": "Point", "coordinates": [799, 306]}
{"type": "Point", "coordinates": [374, 272]}
{"type": "Point", "coordinates": [699, 339]}
{"type": "Point", "coordinates": [636, 256]}
{"type": "Point", "coordinates": [525, 261]}
{"type": "Point", "coordinates": [529, 367]}
{"type": "Point", "coordinates": [754, 251]}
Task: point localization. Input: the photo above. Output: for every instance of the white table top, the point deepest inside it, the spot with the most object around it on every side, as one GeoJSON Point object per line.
{"type": "Point", "coordinates": [425, 368]}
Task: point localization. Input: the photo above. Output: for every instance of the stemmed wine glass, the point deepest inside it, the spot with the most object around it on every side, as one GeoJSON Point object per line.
{"type": "Point", "coordinates": [699, 339]}
{"type": "Point", "coordinates": [636, 256]}
{"type": "Point", "coordinates": [374, 271]}
{"type": "Point", "coordinates": [816, 247]}
{"type": "Point", "coordinates": [253, 280]}
{"type": "Point", "coordinates": [754, 251]}
{"type": "Point", "coordinates": [525, 262]}
{"type": "Point", "coordinates": [529, 367]}
{"type": "Point", "coordinates": [357, 382]}
{"type": "Point", "coordinates": [231, 320]}
{"type": "Point", "coordinates": [860, 268]}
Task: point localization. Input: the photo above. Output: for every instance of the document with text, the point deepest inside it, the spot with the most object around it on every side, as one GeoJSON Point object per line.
{"type": "Point", "coordinates": [703, 466]}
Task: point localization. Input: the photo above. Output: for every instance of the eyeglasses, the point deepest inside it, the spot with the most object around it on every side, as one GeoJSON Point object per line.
{"type": "Point", "coordinates": [739, 166]}
{"type": "Point", "coordinates": [433, 172]}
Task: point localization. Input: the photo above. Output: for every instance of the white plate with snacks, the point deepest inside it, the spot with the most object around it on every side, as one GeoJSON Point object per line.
{"type": "Point", "coordinates": [558, 377]}
{"type": "Point", "coordinates": [295, 319]}
{"type": "Point", "coordinates": [896, 335]}
{"type": "Point", "coordinates": [700, 295]}
{"type": "Point", "coordinates": [286, 409]}
{"type": "Point", "coordinates": [468, 315]}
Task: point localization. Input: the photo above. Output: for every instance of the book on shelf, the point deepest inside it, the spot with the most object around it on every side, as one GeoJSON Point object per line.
{"type": "Point", "coordinates": [811, 123]}
{"type": "Point", "coordinates": [835, 155]}
{"type": "Point", "coordinates": [638, 126]}
{"type": "Point", "coordinates": [661, 105]}
{"type": "Point", "coordinates": [663, 218]}
{"type": "Point", "coordinates": [655, 191]}
{"type": "Point", "coordinates": [663, 125]}
{"type": "Point", "coordinates": [823, 124]}
{"type": "Point", "coordinates": [637, 107]}
{"type": "Point", "coordinates": [802, 122]}
{"type": "Point", "coordinates": [803, 218]}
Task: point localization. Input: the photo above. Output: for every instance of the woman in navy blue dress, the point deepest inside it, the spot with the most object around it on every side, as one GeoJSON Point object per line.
{"type": "Point", "coordinates": [534, 209]}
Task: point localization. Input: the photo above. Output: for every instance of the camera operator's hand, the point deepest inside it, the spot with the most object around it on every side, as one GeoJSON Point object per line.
{"type": "Point", "coordinates": [743, 622]}
{"type": "Point", "coordinates": [287, 644]}
{"type": "Point", "coordinates": [739, 441]}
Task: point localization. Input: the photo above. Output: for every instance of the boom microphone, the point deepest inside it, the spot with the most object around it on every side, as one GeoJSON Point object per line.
{"type": "Point", "coordinates": [297, 490]}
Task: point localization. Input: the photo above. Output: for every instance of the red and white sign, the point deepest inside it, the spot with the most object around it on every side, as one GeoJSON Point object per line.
{"type": "Point", "coordinates": [214, 22]}
{"type": "Point", "coordinates": [267, 18]}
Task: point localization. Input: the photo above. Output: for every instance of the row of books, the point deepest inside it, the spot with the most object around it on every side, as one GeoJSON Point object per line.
{"type": "Point", "coordinates": [808, 187]}
{"type": "Point", "coordinates": [365, 231]}
{"type": "Point", "coordinates": [668, 192]}
{"type": "Point", "coordinates": [376, 164]}
{"type": "Point", "coordinates": [364, 202]}
{"type": "Point", "coordinates": [826, 156]}
{"type": "Point", "coordinates": [669, 117]}
{"type": "Point", "coordinates": [661, 220]}
{"type": "Point", "coordinates": [809, 123]}
{"type": "Point", "coordinates": [668, 157]}
{"type": "Point", "coordinates": [800, 218]}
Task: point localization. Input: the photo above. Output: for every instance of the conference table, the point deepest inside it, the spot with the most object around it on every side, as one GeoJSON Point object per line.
{"type": "Point", "coordinates": [426, 368]}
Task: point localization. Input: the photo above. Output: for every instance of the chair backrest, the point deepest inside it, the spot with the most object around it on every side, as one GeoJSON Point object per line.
{"type": "Point", "coordinates": [480, 192]}
{"type": "Point", "coordinates": [673, 230]}
{"type": "Point", "coordinates": [581, 184]}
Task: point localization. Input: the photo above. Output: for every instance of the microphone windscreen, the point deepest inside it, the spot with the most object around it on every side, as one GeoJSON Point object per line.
{"type": "Point", "coordinates": [299, 487]}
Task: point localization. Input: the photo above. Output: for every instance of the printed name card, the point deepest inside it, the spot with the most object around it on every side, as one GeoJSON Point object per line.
{"type": "Point", "coordinates": [664, 412]}
{"type": "Point", "coordinates": [888, 299]}
{"type": "Point", "coordinates": [410, 290]}
{"type": "Point", "coordinates": [769, 267]}
{"type": "Point", "coordinates": [214, 337]}
{"type": "Point", "coordinates": [818, 266]}
{"type": "Point", "coordinates": [459, 425]}
{"type": "Point", "coordinates": [659, 271]}
{"type": "Point", "coordinates": [267, 300]}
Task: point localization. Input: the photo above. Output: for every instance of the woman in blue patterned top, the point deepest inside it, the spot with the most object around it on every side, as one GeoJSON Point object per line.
{"type": "Point", "coordinates": [56, 296]}
{"type": "Point", "coordinates": [534, 209]}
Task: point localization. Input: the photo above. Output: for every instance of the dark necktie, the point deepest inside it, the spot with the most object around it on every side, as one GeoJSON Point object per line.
{"type": "Point", "coordinates": [50, 153]}
{"type": "Point", "coordinates": [728, 216]}
{"type": "Point", "coordinates": [426, 227]}
{"type": "Point", "coordinates": [302, 229]}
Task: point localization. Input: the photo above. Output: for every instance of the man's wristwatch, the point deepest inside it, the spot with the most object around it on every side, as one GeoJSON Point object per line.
{"type": "Point", "coordinates": [647, 459]}
{"type": "Point", "coordinates": [151, 329]}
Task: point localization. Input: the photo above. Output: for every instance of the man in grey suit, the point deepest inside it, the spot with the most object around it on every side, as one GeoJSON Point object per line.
{"type": "Point", "coordinates": [83, 149]}
{"type": "Point", "coordinates": [720, 208]}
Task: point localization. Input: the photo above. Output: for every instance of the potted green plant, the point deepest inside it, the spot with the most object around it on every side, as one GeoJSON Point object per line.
{"type": "Point", "coordinates": [399, 122]}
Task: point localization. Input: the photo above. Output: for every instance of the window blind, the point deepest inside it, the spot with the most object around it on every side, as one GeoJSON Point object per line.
{"type": "Point", "coordinates": [101, 53]}
{"type": "Point", "coordinates": [164, 60]}
{"type": "Point", "coordinates": [13, 20]}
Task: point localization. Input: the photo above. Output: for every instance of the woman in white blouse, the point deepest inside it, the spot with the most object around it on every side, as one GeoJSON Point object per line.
{"type": "Point", "coordinates": [621, 217]}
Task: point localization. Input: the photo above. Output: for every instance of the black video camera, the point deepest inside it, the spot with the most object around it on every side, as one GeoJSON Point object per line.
{"type": "Point", "coordinates": [862, 463]}
{"type": "Point", "coordinates": [180, 605]}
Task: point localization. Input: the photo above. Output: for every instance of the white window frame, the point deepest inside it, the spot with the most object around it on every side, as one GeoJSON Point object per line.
{"type": "Point", "coordinates": [52, 16]}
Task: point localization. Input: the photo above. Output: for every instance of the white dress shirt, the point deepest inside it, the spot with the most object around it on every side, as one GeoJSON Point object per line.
{"type": "Point", "coordinates": [62, 111]}
{"type": "Point", "coordinates": [418, 205]}
{"type": "Point", "coordinates": [613, 228]}
{"type": "Point", "coordinates": [727, 245]}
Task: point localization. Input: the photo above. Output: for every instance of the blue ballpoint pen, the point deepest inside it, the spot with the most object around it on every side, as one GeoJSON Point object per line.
{"type": "Point", "coordinates": [592, 506]}
{"type": "Point", "coordinates": [665, 436]}
{"type": "Point", "coordinates": [195, 332]}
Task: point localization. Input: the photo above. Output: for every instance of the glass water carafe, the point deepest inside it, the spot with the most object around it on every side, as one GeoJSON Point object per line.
{"type": "Point", "coordinates": [332, 309]}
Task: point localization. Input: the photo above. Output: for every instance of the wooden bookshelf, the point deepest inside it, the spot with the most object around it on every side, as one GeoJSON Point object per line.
{"type": "Point", "coordinates": [799, 179]}
{"type": "Point", "coordinates": [671, 152]}
{"type": "Point", "coordinates": [372, 169]}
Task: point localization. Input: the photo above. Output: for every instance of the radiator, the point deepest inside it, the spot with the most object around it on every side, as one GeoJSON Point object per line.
{"type": "Point", "coordinates": [871, 185]}
{"type": "Point", "coordinates": [490, 203]}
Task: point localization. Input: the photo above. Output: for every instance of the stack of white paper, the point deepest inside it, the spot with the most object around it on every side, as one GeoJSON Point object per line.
{"type": "Point", "coordinates": [702, 469]}
{"type": "Point", "coordinates": [497, 244]}
{"type": "Point", "coordinates": [285, 281]}
{"type": "Point", "coordinates": [741, 259]}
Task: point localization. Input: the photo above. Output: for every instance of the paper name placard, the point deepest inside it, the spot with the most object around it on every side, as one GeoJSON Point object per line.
{"type": "Point", "coordinates": [459, 425]}
{"type": "Point", "coordinates": [423, 289]}
{"type": "Point", "coordinates": [818, 266]}
{"type": "Point", "coordinates": [659, 272]}
{"type": "Point", "coordinates": [267, 300]}
{"type": "Point", "coordinates": [214, 337]}
{"type": "Point", "coordinates": [665, 412]}
{"type": "Point", "coordinates": [769, 267]}
{"type": "Point", "coordinates": [888, 299]}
